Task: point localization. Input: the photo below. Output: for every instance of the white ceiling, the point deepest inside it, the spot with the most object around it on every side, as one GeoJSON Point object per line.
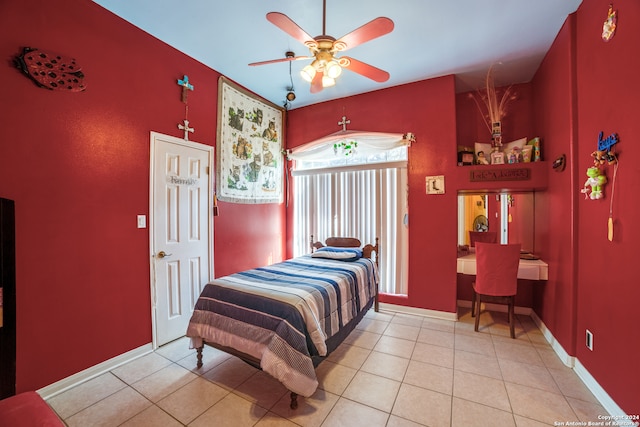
{"type": "Point", "coordinates": [430, 39]}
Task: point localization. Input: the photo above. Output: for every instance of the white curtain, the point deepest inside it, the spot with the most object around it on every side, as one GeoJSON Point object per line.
{"type": "Point", "coordinates": [366, 202]}
{"type": "Point", "coordinates": [368, 143]}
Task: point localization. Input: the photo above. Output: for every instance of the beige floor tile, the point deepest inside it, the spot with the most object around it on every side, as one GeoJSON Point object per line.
{"type": "Point", "coordinates": [274, 420]}
{"type": "Point", "coordinates": [550, 359]}
{"type": "Point", "coordinates": [475, 343]}
{"type": "Point", "coordinates": [230, 373]}
{"type": "Point", "coordinates": [347, 413]}
{"type": "Point", "coordinates": [152, 417]}
{"type": "Point", "coordinates": [372, 325]}
{"type": "Point", "coordinates": [407, 319]}
{"type": "Point", "coordinates": [528, 374]}
{"type": "Point", "coordinates": [386, 365]}
{"type": "Point", "coordinates": [438, 324]}
{"type": "Point", "coordinates": [538, 404]}
{"type": "Point", "coordinates": [434, 354]}
{"type": "Point", "coordinates": [311, 411]}
{"type": "Point", "coordinates": [398, 330]}
{"type": "Point", "coordinates": [164, 382]}
{"type": "Point", "coordinates": [176, 350]}
{"type": "Point", "coordinates": [528, 422]}
{"type": "Point", "coordinates": [523, 353]}
{"type": "Point", "coordinates": [373, 390]}
{"type": "Point", "coordinates": [435, 337]}
{"type": "Point", "coordinates": [466, 413]}
{"type": "Point", "coordinates": [396, 346]}
{"type": "Point", "coordinates": [432, 377]}
{"type": "Point", "coordinates": [111, 411]}
{"type": "Point", "coordinates": [362, 339]}
{"type": "Point", "coordinates": [571, 385]}
{"type": "Point", "coordinates": [423, 406]}
{"type": "Point", "coordinates": [86, 394]}
{"type": "Point", "coordinates": [349, 355]}
{"type": "Point", "coordinates": [587, 411]}
{"type": "Point", "coordinates": [477, 364]}
{"type": "Point", "coordinates": [211, 357]}
{"type": "Point", "coordinates": [481, 389]}
{"type": "Point", "coordinates": [189, 402]}
{"type": "Point", "coordinates": [333, 377]}
{"type": "Point", "coordinates": [261, 389]}
{"type": "Point", "coordinates": [231, 411]}
{"type": "Point", "coordinates": [395, 421]}
{"type": "Point", "coordinates": [141, 367]}
{"type": "Point", "coordinates": [382, 315]}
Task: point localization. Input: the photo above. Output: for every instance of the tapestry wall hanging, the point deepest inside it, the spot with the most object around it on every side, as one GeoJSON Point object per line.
{"type": "Point", "coordinates": [249, 148]}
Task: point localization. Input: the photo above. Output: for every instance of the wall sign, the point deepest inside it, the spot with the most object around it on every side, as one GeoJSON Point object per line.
{"type": "Point", "coordinates": [435, 184]}
{"type": "Point", "coordinates": [521, 174]}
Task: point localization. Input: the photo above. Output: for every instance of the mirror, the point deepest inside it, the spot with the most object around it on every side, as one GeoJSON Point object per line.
{"type": "Point", "coordinates": [511, 215]}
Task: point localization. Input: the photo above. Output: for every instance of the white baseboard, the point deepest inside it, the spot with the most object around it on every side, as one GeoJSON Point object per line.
{"type": "Point", "coordinates": [419, 311]}
{"type": "Point", "coordinates": [573, 362]}
{"type": "Point", "coordinates": [65, 384]}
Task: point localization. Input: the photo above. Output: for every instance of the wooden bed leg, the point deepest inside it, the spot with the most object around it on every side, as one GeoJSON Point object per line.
{"type": "Point", "coordinates": [294, 400]}
{"type": "Point", "coordinates": [199, 356]}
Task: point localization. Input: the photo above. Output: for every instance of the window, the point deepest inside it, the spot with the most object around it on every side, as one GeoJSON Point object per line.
{"type": "Point", "coordinates": [362, 194]}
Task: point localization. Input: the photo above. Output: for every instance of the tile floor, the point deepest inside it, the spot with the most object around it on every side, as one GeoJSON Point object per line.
{"type": "Point", "coordinates": [393, 370]}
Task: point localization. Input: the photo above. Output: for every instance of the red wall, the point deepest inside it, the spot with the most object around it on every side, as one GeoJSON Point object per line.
{"type": "Point", "coordinates": [427, 109]}
{"type": "Point", "coordinates": [586, 86]}
{"type": "Point", "coordinates": [77, 166]}
{"type": "Point", "coordinates": [607, 91]}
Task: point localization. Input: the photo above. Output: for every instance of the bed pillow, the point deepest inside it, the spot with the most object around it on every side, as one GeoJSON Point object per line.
{"type": "Point", "coordinates": [342, 254]}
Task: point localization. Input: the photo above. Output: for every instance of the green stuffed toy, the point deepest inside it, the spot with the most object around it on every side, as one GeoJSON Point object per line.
{"type": "Point", "coordinates": [596, 180]}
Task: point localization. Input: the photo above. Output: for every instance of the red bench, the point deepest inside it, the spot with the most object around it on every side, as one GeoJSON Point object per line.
{"type": "Point", "coordinates": [27, 409]}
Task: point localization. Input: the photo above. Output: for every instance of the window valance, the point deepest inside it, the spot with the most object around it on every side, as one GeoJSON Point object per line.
{"type": "Point", "coordinates": [367, 142]}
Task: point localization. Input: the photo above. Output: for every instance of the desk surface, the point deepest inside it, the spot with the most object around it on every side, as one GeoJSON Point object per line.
{"type": "Point", "coordinates": [528, 269]}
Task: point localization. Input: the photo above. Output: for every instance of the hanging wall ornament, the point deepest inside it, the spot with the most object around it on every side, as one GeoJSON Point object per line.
{"type": "Point", "coordinates": [51, 71]}
{"type": "Point", "coordinates": [609, 26]}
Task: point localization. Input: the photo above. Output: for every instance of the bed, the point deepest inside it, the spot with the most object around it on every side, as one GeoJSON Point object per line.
{"type": "Point", "coordinates": [287, 317]}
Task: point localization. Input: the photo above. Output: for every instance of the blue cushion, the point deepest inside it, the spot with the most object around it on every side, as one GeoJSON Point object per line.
{"type": "Point", "coordinates": [342, 254]}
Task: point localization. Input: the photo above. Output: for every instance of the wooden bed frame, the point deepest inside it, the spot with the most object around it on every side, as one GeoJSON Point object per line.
{"type": "Point", "coordinates": [341, 242]}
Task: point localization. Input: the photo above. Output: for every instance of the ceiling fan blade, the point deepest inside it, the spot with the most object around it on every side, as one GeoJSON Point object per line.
{"type": "Point", "coordinates": [369, 31]}
{"type": "Point", "coordinates": [364, 69]}
{"type": "Point", "coordinates": [316, 83]}
{"type": "Point", "coordinates": [273, 61]}
{"type": "Point", "coordinates": [285, 23]}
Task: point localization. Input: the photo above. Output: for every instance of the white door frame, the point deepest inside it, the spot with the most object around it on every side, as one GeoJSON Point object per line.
{"type": "Point", "coordinates": [151, 223]}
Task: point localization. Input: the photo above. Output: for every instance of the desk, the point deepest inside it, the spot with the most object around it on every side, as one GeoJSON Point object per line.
{"type": "Point", "coordinates": [528, 269]}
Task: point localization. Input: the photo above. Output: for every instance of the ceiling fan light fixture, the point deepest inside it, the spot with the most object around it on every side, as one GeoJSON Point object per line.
{"type": "Point", "coordinates": [333, 69]}
{"type": "Point", "coordinates": [308, 73]}
{"type": "Point", "coordinates": [328, 81]}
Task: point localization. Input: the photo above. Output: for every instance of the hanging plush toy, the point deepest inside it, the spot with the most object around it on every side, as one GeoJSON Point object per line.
{"type": "Point", "coordinates": [593, 184]}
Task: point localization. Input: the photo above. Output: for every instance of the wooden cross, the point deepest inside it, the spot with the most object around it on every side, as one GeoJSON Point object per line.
{"type": "Point", "coordinates": [186, 129]}
{"type": "Point", "coordinates": [184, 82]}
{"type": "Point", "coordinates": [344, 123]}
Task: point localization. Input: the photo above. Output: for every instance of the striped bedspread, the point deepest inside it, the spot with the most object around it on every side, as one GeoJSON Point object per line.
{"type": "Point", "coordinates": [284, 313]}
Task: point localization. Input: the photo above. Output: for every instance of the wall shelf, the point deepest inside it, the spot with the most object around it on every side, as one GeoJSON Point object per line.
{"type": "Point", "coordinates": [514, 177]}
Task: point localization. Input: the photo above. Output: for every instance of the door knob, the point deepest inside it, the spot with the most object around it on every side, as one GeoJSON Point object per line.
{"type": "Point", "coordinates": [163, 254]}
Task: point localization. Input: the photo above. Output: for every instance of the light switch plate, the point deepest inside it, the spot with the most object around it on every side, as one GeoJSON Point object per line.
{"type": "Point", "coordinates": [142, 221]}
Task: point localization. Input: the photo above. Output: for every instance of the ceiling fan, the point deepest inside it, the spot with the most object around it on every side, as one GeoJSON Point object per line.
{"type": "Point", "coordinates": [326, 67]}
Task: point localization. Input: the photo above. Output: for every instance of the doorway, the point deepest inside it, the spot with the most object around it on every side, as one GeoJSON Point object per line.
{"type": "Point", "coordinates": [181, 232]}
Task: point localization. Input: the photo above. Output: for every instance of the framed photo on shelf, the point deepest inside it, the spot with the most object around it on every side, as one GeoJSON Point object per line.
{"type": "Point", "coordinates": [497, 158]}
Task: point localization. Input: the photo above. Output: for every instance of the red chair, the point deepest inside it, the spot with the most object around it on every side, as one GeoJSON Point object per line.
{"type": "Point", "coordinates": [482, 236]}
{"type": "Point", "coordinates": [496, 278]}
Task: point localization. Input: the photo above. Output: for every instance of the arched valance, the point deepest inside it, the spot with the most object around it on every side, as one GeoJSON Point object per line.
{"type": "Point", "coordinates": [367, 142]}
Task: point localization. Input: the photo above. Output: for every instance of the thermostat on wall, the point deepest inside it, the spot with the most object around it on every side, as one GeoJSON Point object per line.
{"type": "Point", "coordinates": [435, 184]}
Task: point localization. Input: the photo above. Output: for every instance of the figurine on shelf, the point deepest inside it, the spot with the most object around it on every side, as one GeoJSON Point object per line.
{"type": "Point", "coordinates": [482, 159]}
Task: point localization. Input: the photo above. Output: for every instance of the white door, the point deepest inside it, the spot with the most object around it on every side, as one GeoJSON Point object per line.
{"type": "Point", "coordinates": [181, 231]}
